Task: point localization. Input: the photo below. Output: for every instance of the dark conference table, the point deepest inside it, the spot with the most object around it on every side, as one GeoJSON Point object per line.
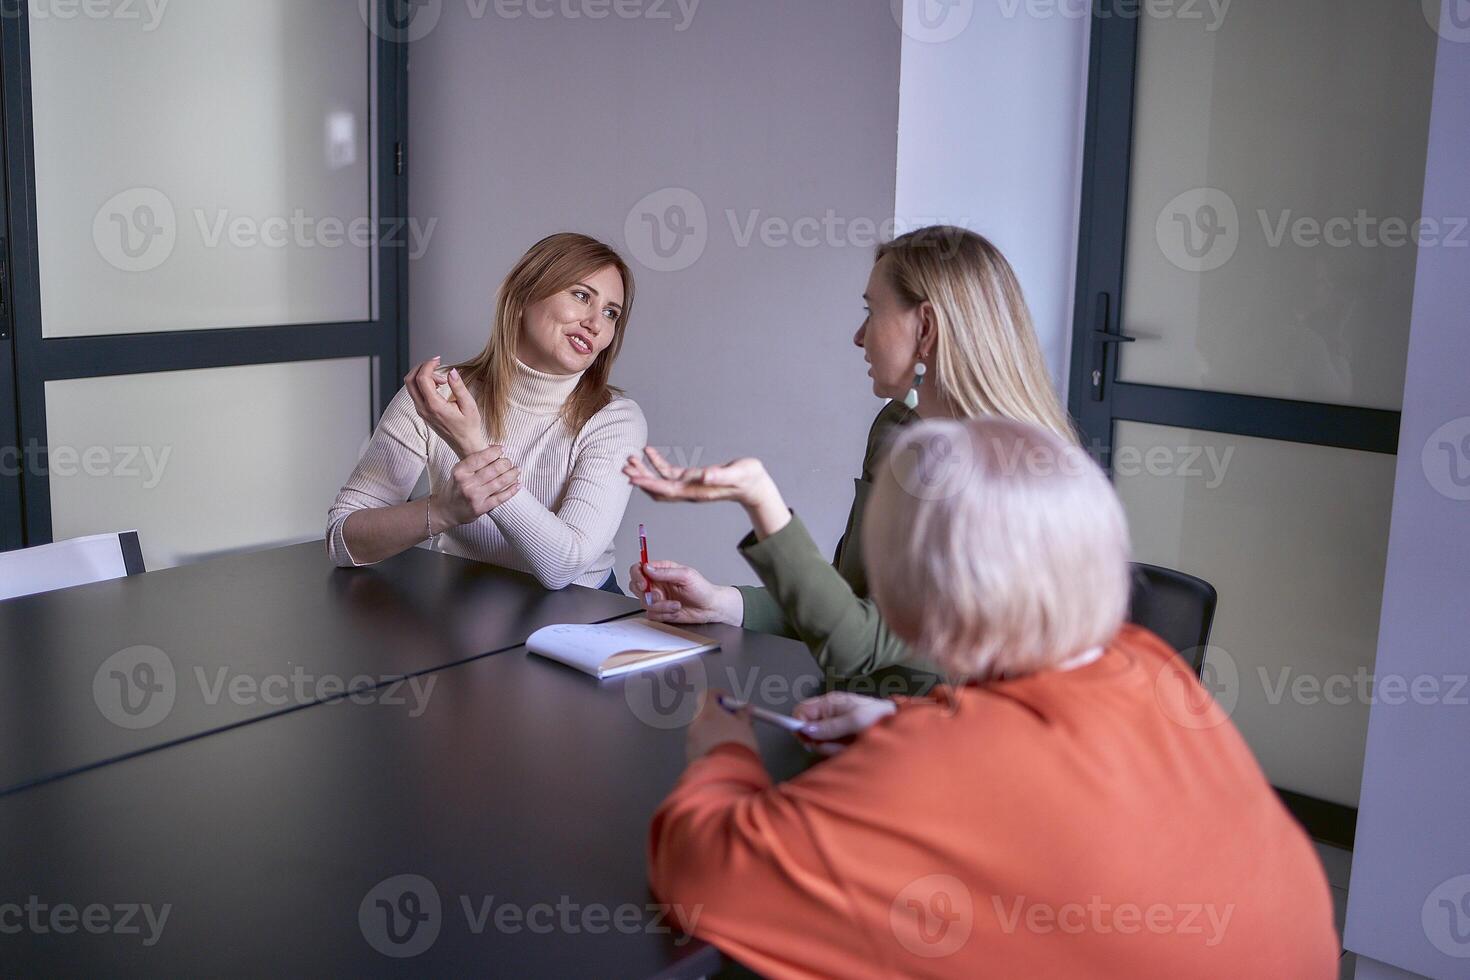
{"type": "Point", "coordinates": [494, 823]}
{"type": "Point", "coordinates": [93, 674]}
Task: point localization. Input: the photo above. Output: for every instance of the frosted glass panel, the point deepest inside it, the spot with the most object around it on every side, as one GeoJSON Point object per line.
{"type": "Point", "coordinates": [1278, 166]}
{"type": "Point", "coordinates": [202, 164]}
{"type": "Point", "coordinates": [1295, 538]}
{"type": "Point", "coordinates": [209, 461]}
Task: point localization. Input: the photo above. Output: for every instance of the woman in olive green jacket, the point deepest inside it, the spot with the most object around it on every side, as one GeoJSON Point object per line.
{"type": "Point", "coordinates": [948, 335]}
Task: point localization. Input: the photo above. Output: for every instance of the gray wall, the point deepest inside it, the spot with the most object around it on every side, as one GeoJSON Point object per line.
{"type": "Point", "coordinates": [1413, 845]}
{"type": "Point", "coordinates": [764, 109]}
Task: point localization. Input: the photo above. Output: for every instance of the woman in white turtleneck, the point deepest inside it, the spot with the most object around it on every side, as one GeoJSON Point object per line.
{"type": "Point", "coordinates": [523, 445]}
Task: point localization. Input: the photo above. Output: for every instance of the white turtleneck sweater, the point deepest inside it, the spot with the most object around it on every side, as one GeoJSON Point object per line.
{"type": "Point", "coordinates": [560, 526]}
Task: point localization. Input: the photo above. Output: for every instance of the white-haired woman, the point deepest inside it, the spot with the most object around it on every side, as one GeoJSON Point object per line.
{"type": "Point", "coordinates": [948, 335]}
{"type": "Point", "coordinates": [1079, 806]}
{"type": "Point", "coordinates": [522, 444]}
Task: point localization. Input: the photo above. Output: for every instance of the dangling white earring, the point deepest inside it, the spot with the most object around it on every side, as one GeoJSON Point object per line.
{"type": "Point", "coordinates": [911, 400]}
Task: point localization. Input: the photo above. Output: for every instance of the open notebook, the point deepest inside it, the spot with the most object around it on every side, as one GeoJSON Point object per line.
{"type": "Point", "coordinates": [608, 649]}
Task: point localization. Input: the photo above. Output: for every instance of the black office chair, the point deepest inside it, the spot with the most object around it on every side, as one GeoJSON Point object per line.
{"type": "Point", "coordinates": [1179, 607]}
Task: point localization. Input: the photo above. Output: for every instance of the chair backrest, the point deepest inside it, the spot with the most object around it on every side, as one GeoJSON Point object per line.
{"type": "Point", "coordinates": [79, 561]}
{"type": "Point", "coordinates": [1180, 608]}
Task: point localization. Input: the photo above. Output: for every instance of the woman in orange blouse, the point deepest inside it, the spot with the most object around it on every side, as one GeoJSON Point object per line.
{"type": "Point", "coordinates": [1077, 806]}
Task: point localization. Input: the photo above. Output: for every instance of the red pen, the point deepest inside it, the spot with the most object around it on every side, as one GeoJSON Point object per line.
{"type": "Point", "coordinates": [643, 552]}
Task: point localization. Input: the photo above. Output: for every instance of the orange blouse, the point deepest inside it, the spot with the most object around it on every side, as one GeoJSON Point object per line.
{"type": "Point", "coordinates": [1106, 821]}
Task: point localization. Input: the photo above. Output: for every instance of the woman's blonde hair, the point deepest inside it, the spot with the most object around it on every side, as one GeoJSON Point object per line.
{"type": "Point", "coordinates": [988, 360]}
{"type": "Point", "coordinates": [549, 266]}
{"type": "Point", "coordinates": [995, 547]}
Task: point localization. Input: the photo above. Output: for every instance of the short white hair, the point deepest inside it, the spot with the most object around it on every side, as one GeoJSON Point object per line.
{"type": "Point", "coordinates": [995, 548]}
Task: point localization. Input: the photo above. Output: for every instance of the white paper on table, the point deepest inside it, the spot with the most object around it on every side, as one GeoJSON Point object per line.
{"type": "Point", "coordinates": [608, 649]}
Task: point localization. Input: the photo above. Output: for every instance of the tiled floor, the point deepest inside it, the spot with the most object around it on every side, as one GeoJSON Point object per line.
{"type": "Point", "coordinates": [1338, 864]}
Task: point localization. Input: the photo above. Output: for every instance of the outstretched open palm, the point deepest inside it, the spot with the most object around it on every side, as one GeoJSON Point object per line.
{"type": "Point", "coordinates": [740, 480]}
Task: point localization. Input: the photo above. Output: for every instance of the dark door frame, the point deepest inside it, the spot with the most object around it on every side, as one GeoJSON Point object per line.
{"type": "Point", "coordinates": [1097, 398]}
{"type": "Point", "coordinates": [37, 360]}
{"type": "Point", "coordinates": [12, 460]}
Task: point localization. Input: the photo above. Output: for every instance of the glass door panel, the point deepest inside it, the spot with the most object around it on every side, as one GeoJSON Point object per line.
{"type": "Point", "coordinates": [204, 166]}
{"type": "Point", "coordinates": [1295, 539]}
{"type": "Point", "coordinates": [1277, 171]}
{"type": "Point", "coordinates": [208, 461]}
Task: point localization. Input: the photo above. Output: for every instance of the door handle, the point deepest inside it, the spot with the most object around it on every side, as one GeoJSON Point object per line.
{"type": "Point", "coordinates": [1102, 339]}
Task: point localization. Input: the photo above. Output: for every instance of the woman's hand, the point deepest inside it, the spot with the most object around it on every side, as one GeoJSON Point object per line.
{"type": "Point", "coordinates": [682, 595]}
{"type": "Point", "coordinates": [714, 726]}
{"type": "Point", "coordinates": [455, 419]}
{"type": "Point", "coordinates": [835, 719]}
{"type": "Point", "coordinates": [744, 481]}
{"type": "Point", "coordinates": [478, 484]}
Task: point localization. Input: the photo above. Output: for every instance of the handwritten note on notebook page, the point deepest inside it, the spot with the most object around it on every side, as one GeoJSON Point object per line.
{"type": "Point", "coordinates": [608, 649]}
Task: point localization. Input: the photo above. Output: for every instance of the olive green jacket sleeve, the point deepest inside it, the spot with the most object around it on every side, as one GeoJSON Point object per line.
{"type": "Point", "coordinates": [826, 606]}
{"type": "Point", "coordinates": [763, 614]}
